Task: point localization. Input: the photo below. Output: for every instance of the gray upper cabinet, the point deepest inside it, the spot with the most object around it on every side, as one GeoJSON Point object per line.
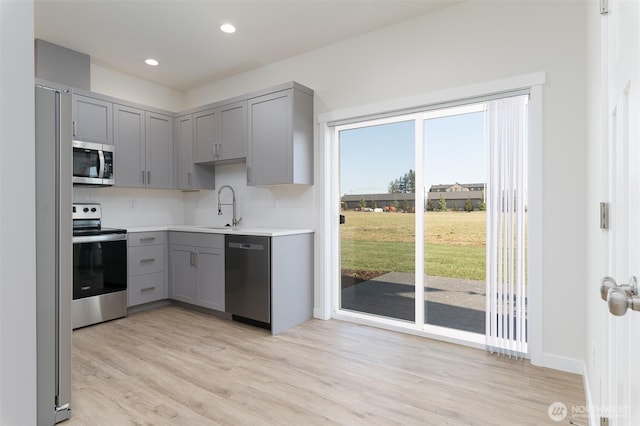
{"type": "Point", "coordinates": [159, 151]}
{"type": "Point", "coordinates": [129, 138]}
{"type": "Point", "coordinates": [221, 133]}
{"type": "Point", "coordinates": [188, 175]}
{"type": "Point", "coordinates": [280, 138]}
{"type": "Point", "coordinates": [232, 140]}
{"type": "Point", "coordinates": [92, 120]}
{"type": "Point", "coordinates": [206, 134]}
{"type": "Point", "coordinates": [144, 148]}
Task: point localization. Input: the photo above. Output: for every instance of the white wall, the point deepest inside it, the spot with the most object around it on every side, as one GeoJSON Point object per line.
{"type": "Point", "coordinates": [17, 216]}
{"type": "Point", "coordinates": [129, 207]}
{"type": "Point", "coordinates": [286, 206]}
{"type": "Point", "coordinates": [122, 86]}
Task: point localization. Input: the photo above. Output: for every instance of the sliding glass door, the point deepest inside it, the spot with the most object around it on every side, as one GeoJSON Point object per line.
{"type": "Point", "coordinates": [377, 245]}
{"type": "Point", "coordinates": [418, 195]}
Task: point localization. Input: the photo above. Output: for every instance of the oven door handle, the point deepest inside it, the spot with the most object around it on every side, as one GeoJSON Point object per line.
{"type": "Point", "coordinates": [99, 238]}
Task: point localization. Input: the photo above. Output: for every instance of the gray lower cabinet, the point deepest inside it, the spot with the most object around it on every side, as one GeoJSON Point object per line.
{"type": "Point", "coordinates": [280, 137]}
{"type": "Point", "coordinates": [143, 148]}
{"type": "Point", "coordinates": [147, 267]}
{"type": "Point", "coordinates": [92, 119]}
{"type": "Point", "coordinates": [189, 175]}
{"type": "Point", "coordinates": [291, 281]}
{"type": "Point", "coordinates": [197, 269]}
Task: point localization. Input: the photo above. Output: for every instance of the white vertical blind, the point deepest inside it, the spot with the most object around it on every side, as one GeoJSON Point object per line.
{"type": "Point", "coordinates": [506, 202]}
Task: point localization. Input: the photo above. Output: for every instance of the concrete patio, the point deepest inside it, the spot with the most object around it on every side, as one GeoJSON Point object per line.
{"type": "Point", "coordinates": [449, 302]}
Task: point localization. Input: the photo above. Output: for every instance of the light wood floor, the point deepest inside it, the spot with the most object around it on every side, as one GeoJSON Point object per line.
{"type": "Point", "coordinates": [173, 366]}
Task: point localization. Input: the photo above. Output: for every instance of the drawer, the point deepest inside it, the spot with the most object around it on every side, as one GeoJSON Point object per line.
{"type": "Point", "coordinates": [145, 260]}
{"type": "Point", "coordinates": [196, 239]}
{"type": "Point", "coordinates": [146, 238]}
{"type": "Point", "coordinates": [145, 288]}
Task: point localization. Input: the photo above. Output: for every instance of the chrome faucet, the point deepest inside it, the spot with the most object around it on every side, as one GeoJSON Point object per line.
{"type": "Point", "coordinates": [235, 221]}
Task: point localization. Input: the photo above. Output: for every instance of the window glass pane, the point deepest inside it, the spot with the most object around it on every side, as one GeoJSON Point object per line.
{"type": "Point", "coordinates": [455, 222]}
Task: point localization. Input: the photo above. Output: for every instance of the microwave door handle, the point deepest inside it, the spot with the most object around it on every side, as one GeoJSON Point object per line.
{"type": "Point", "coordinates": [101, 170]}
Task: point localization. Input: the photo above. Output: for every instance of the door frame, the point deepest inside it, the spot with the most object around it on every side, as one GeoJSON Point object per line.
{"type": "Point", "coordinates": [329, 241]}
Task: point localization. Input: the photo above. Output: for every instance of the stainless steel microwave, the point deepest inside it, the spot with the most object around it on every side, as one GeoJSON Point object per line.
{"type": "Point", "coordinates": [92, 163]}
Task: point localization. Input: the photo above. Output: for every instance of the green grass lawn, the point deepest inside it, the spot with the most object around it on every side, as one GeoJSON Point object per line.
{"type": "Point", "coordinates": [454, 243]}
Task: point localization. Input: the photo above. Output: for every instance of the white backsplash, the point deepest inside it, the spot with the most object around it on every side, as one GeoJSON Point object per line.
{"type": "Point", "coordinates": [281, 206]}
{"type": "Point", "coordinates": [128, 207]}
{"type": "Point", "coordinates": [287, 206]}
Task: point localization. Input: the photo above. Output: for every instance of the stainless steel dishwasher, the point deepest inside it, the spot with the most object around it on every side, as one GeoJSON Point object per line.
{"type": "Point", "coordinates": [248, 279]}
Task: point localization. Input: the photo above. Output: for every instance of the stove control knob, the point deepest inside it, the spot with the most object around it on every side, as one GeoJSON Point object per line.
{"type": "Point", "coordinates": [86, 209]}
{"type": "Point", "coordinates": [93, 209]}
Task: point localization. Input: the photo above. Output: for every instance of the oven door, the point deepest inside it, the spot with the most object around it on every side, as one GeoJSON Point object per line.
{"type": "Point", "coordinates": [99, 265]}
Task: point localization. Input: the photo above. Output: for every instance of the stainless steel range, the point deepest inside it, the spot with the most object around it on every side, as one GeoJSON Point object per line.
{"type": "Point", "coordinates": [99, 268]}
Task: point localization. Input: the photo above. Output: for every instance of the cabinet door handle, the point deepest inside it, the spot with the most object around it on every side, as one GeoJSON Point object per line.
{"type": "Point", "coordinates": [189, 178]}
{"type": "Point", "coordinates": [148, 177]}
{"type": "Point", "coordinates": [150, 259]}
{"type": "Point", "coordinates": [195, 259]}
{"type": "Point", "coordinates": [248, 174]}
{"type": "Point", "coordinates": [147, 239]}
{"type": "Point", "coordinates": [74, 128]}
{"type": "Point", "coordinates": [148, 288]}
{"type": "Point", "coordinates": [143, 177]}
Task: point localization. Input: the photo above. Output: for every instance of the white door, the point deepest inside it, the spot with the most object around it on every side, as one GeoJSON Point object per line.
{"type": "Point", "coordinates": [621, 390]}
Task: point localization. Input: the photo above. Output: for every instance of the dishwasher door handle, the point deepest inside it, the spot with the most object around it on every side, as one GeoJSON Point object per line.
{"type": "Point", "coordinates": [246, 246]}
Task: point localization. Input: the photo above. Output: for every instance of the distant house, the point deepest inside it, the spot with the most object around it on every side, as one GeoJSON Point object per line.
{"type": "Point", "coordinates": [455, 196]}
{"type": "Point", "coordinates": [457, 187]}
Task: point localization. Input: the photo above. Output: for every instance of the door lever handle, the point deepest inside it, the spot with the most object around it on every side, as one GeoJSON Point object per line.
{"type": "Point", "coordinates": [607, 284]}
{"type": "Point", "coordinates": [620, 297]}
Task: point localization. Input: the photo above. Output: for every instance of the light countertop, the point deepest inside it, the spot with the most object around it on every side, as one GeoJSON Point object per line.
{"type": "Point", "coordinates": [211, 229]}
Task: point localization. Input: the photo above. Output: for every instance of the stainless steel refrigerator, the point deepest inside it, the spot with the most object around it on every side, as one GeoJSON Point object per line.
{"type": "Point", "coordinates": [54, 267]}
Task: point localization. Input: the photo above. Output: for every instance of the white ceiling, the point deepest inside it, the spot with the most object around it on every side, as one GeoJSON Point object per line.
{"type": "Point", "coordinates": [184, 35]}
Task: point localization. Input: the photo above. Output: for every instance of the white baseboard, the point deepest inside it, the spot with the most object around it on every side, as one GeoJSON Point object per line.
{"type": "Point", "coordinates": [562, 363]}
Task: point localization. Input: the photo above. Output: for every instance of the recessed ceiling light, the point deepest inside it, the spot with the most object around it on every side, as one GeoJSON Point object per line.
{"type": "Point", "coordinates": [227, 28]}
{"type": "Point", "coordinates": [151, 62]}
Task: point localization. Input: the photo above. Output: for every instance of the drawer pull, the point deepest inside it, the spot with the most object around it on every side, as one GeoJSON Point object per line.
{"type": "Point", "coordinates": [147, 239]}
{"type": "Point", "coordinates": [148, 288]}
{"type": "Point", "coordinates": [151, 259]}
